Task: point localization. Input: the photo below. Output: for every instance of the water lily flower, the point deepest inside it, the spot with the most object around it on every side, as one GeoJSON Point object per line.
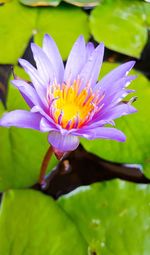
{"type": "Point", "coordinates": [69, 103]}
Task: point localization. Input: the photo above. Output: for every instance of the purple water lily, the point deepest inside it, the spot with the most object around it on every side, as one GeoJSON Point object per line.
{"type": "Point", "coordinates": [69, 103]}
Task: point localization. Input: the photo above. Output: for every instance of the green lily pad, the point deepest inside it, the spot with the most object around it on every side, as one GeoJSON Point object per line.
{"type": "Point", "coordinates": [32, 223]}
{"type": "Point", "coordinates": [4, 1]}
{"type": "Point", "coordinates": [113, 217]}
{"type": "Point", "coordinates": [65, 24]}
{"type": "Point", "coordinates": [15, 30]}
{"type": "Point", "coordinates": [83, 3]}
{"type": "Point", "coordinates": [34, 3]}
{"type": "Point", "coordinates": [121, 25]}
{"type": "Point", "coordinates": [80, 3]}
{"type": "Point", "coordinates": [136, 128]}
{"type": "Point", "coordinates": [22, 150]}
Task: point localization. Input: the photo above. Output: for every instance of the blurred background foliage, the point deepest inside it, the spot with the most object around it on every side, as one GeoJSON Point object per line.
{"type": "Point", "coordinates": [109, 218]}
{"type": "Point", "coordinates": [121, 24]}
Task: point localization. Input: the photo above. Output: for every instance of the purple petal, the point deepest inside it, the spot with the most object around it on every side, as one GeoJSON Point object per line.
{"type": "Point", "coordinates": [89, 49]}
{"type": "Point", "coordinates": [63, 143]}
{"type": "Point", "coordinates": [90, 71]}
{"type": "Point", "coordinates": [121, 95]}
{"type": "Point", "coordinates": [117, 91]}
{"type": "Point", "coordinates": [21, 118]}
{"type": "Point", "coordinates": [76, 60]}
{"type": "Point", "coordinates": [36, 80]}
{"type": "Point", "coordinates": [31, 71]}
{"type": "Point", "coordinates": [51, 50]}
{"type": "Point", "coordinates": [43, 64]}
{"type": "Point", "coordinates": [115, 86]}
{"type": "Point", "coordinates": [116, 74]}
{"type": "Point", "coordinates": [46, 126]}
{"type": "Point", "coordinates": [99, 123]}
{"type": "Point", "coordinates": [102, 132]}
{"type": "Point", "coordinates": [118, 111]}
{"type": "Point", "coordinates": [28, 92]}
{"type": "Point", "coordinates": [38, 109]}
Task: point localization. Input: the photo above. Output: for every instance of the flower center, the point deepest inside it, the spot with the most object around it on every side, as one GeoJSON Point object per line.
{"type": "Point", "coordinates": [69, 106]}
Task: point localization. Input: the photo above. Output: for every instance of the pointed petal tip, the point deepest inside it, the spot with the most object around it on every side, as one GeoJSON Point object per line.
{"type": "Point", "coordinates": [122, 138]}
{"type": "Point", "coordinates": [130, 64]}
{"type": "Point", "coordinates": [21, 119]}
{"type": "Point", "coordinates": [15, 82]}
{"type": "Point", "coordinates": [80, 40]}
{"type": "Point", "coordinates": [19, 82]}
{"type": "Point", "coordinates": [48, 38]}
{"type": "Point", "coordinates": [33, 46]}
{"type": "Point", "coordinates": [132, 109]}
{"type": "Point", "coordinates": [90, 44]}
{"type": "Point", "coordinates": [2, 122]}
{"type": "Point", "coordinates": [119, 136]}
{"type": "Point", "coordinates": [100, 46]}
{"type": "Point", "coordinates": [133, 77]}
{"type": "Point", "coordinates": [21, 61]}
{"type": "Point", "coordinates": [127, 107]}
{"type": "Point", "coordinates": [133, 62]}
{"type": "Point", "coordinates": [81, 37]}
{"type": "Point", "coordinates": [100, 49]}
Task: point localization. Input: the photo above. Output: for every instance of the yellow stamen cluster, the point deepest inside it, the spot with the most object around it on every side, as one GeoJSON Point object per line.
{"type": "Point", "coordinates": [69, 106]}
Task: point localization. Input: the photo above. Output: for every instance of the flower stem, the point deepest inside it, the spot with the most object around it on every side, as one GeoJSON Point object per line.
{"type": "Point", "coordinates": [44, 165]}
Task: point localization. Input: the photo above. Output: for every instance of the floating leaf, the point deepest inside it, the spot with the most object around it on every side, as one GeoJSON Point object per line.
{"type": "Point", "coordinates": [136, 128]}
{"type": "Point", "coordinates": [22, 150]}
{"type": "Point", "coordinates": [113, 217]}
{"type": "Point", "coordinates": [17, 24]}
{"type": "Point", "coordinates": [34, 3]}
{"type": "Point", "coordinates": [83, 3]}
{"type": "Point", "coordinates": [32, 223]}
{"type": "Point", "coordinates": [4, 1]}
{"type": "Point", "coordinates": [121, 25]}
{"type": "Point", "coordinates": [65, 24]}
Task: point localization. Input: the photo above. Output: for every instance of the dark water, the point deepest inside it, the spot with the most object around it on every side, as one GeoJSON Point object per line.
{"type": "Point", "coordinates": [82, 168]}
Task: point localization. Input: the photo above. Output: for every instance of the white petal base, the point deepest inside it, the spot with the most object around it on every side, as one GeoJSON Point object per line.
{"type": "Point", "coordinates": [63, 143]}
